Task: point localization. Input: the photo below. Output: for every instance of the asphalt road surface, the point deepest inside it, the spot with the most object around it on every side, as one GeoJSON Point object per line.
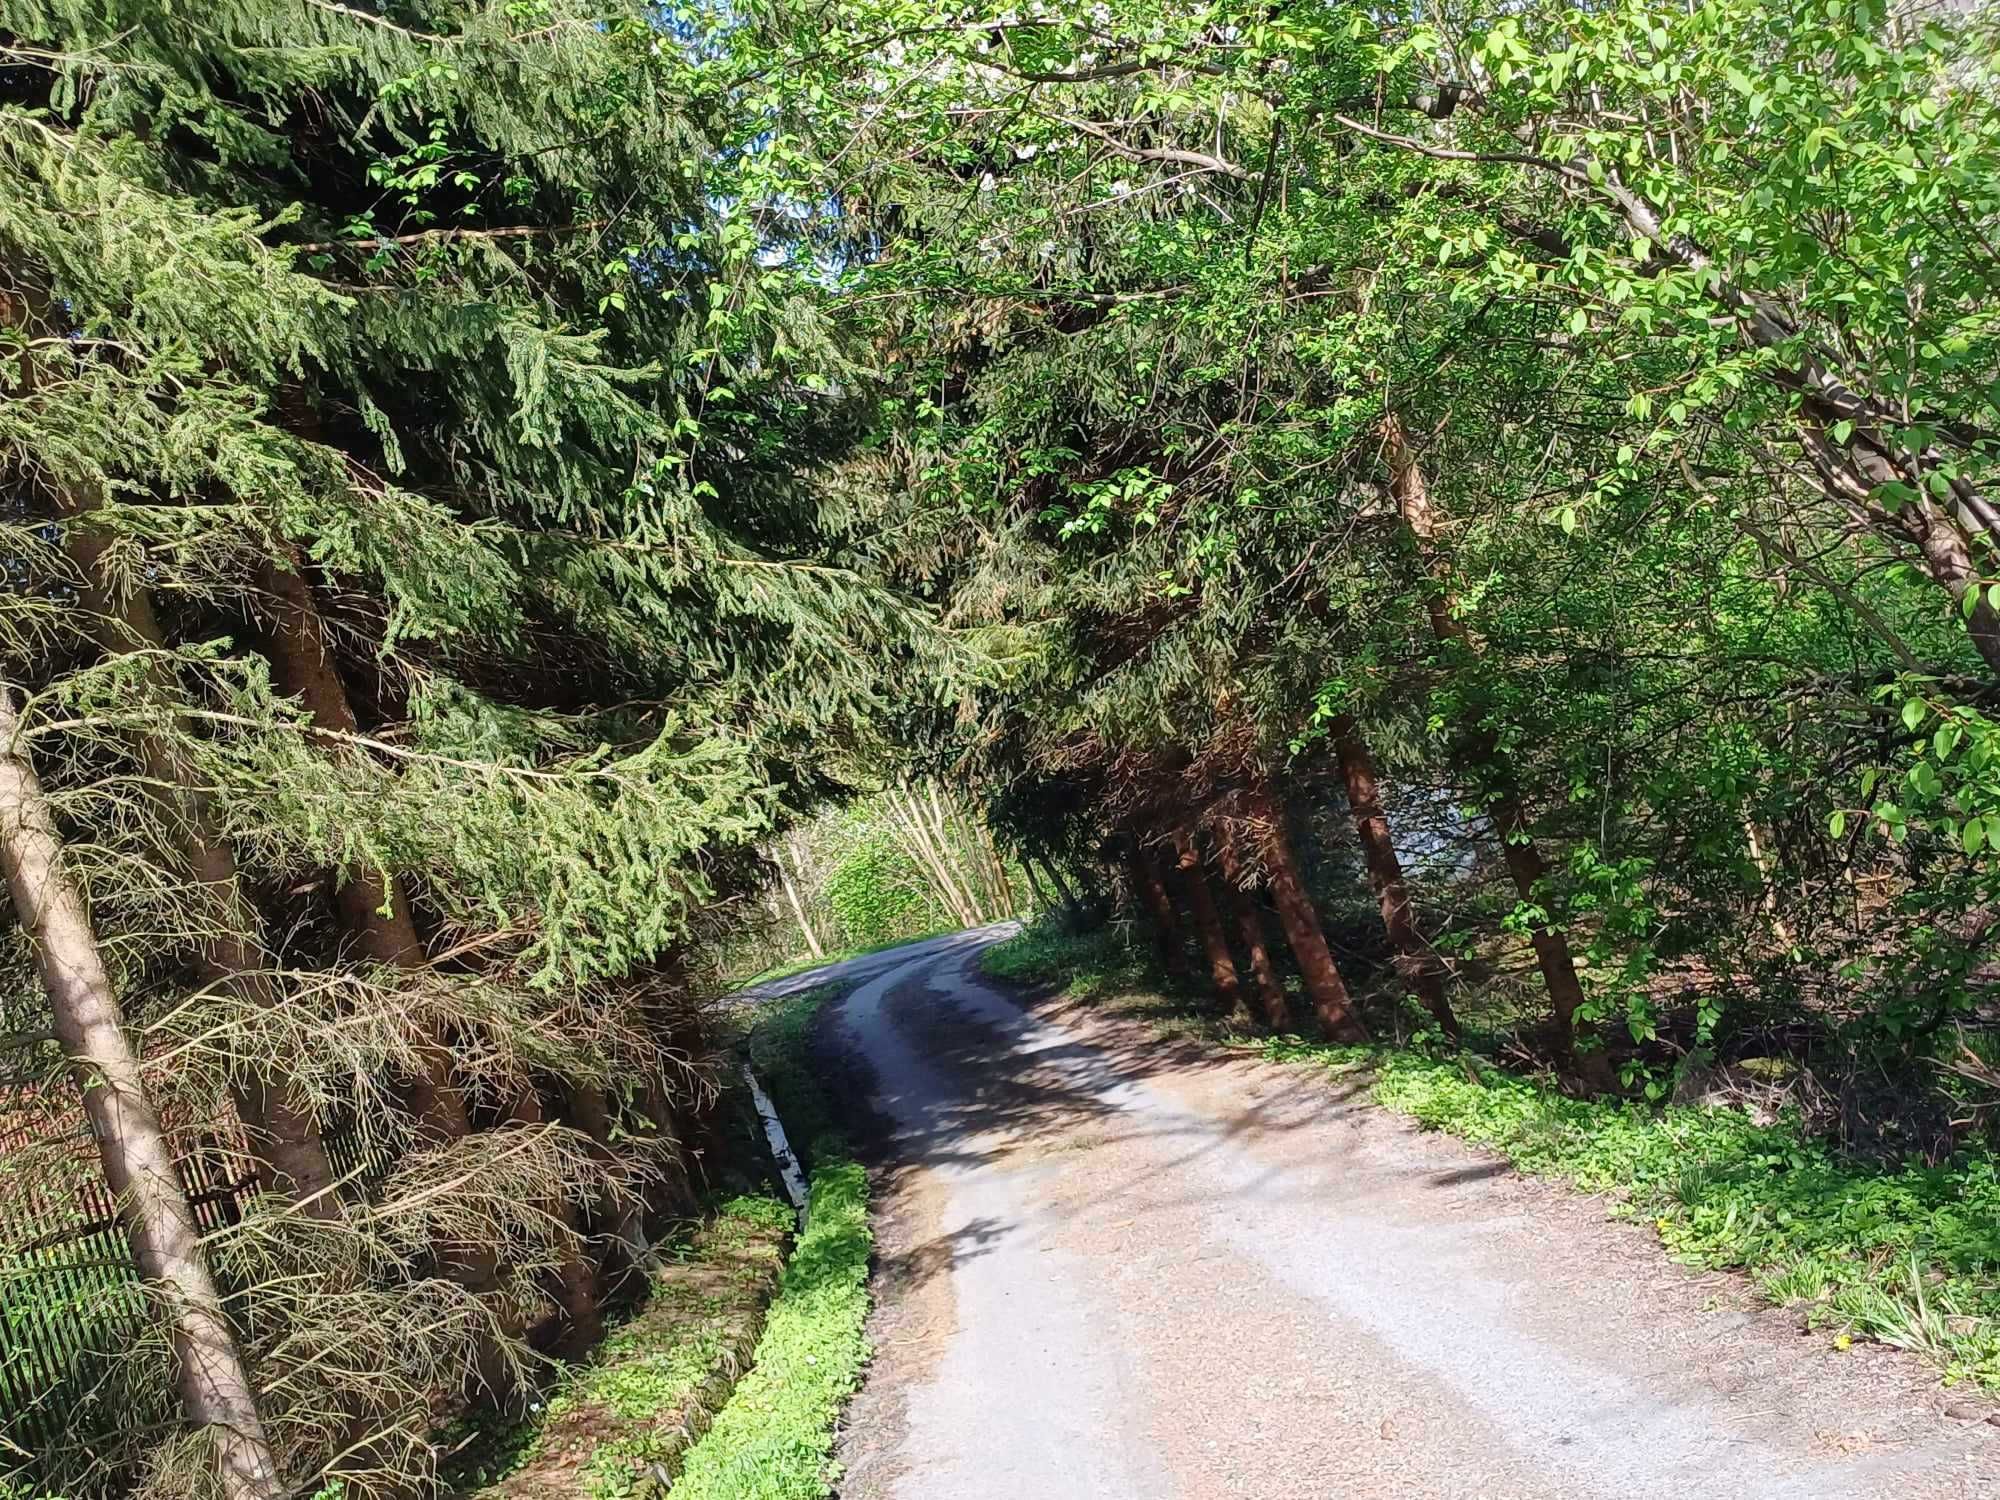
{"type": "Point", "coordinates": [1114, 1267]}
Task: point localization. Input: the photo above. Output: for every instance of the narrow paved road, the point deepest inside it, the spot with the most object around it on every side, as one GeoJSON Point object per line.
{"type": "Point", "coordinates": [1114, 1268]}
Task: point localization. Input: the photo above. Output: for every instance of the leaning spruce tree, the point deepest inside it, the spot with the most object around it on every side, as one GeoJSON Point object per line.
{"type": "Point", "coordinates": [412, 588]}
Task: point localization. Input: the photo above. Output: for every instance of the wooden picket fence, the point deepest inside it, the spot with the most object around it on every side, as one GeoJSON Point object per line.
{"type": "Point", "coordinates": [70, 1300]}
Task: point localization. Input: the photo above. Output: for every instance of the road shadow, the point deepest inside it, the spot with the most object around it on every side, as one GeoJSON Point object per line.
{"type": "Point", "coordinates": [996, 1080]}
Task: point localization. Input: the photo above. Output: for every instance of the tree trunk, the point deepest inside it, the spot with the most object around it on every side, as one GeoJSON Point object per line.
{"type": "Point", "coordinates": [907, 809]}
{"type": "Point", "coordinates": [677, 1198]}
{"type": "Point", "coordinates": [798, 906]}
{"type": "Point", "coordinates": [1416, 961]}
{"type": "Point", "coordinates": [590, 1108]}
{"type": "Point", "coordinates": [1064, 892]}
{"type": "Point", "coordinates": [1043, 901]}
{"type": "Point", "coordinates": [214, 1385]}
{"type": "Point", "coordinates": [1166, 924]}
{"type": "Point", "coordinates": [952, 855]}
{"type": "Point", "coordinates": [575, 1280]}
{"type": "Point", "coordinates": [1524, 861]}
{"type": "Point", "coordinates": [1325, 988]}
{"type": "Point", "coordinates": [282, 1133]}
{"type": "Point", "coordinates": [374, 910]}
{"type": "Point", "coordinates": [1003, 883]}
{"type": "Point", "coordinates": [1208, 923]}
{"type": "Point", "coordinates": [1767, 894]}
{"type": "Point", "coordinates": [1250, 924]}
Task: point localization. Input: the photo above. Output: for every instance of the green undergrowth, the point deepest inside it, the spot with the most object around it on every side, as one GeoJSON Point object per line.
{"type": "Point", "coordinates": [613, 1425]}
{"type": "Point", "coordinates": [775, 1438]}
{"type": "Point", "coordinates": [1908, 1256]}
{"type": "Point", "coordinates": [1088, 965]}
{"type": "Point", "coordinates": [780, 1049]}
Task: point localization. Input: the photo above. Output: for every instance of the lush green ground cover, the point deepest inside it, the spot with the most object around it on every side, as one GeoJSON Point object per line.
{"type": "Point", "coordinates": [613, 1425]}
{"type": "Point", "coordinates": [774, 1440]}
{"type": "Point", "coordinates": [1908, 1255]}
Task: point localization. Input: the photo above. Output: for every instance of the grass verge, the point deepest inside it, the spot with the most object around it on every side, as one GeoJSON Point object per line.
{"type": "Point", "coordinates": [1907, 1256]}
{"type": "Point", "coordinates": [615, 1426]}
{"type": "Point", "coordinates": [774, 1440]}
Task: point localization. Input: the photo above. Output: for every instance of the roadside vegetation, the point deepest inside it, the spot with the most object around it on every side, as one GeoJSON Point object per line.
{"type": "Point", "coordinates": [620, 1425]}
{"type": "Point", "coordinates": [1906, 1254]}
{"type": "Point", "coordinates": [774, 1440]}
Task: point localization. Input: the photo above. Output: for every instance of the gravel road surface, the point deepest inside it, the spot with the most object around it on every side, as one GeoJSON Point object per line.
{"type": "Point", "coordinates": [1114, 1267]}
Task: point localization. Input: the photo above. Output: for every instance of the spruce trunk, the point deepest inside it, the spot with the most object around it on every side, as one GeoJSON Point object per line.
{"type": "Point", "coordinates": [215, 1390]}
{"type": "Point", "coordinates": [377, 912]}
{"type": "Point", "coordinates": [1166, 924]}
{"type": "Point", "coordinates": [1416, 962]}
{"type": "Point", "coordinates": [1490, 763]}
{"type": "Point", "coordinates": [590, 1108]}
{"type": "Point", "coordinates": [575, 1280]}
{"type": "Point", "coordinates": [374, 910]}
{"type": "Point", "coordinates": [282, 1133]}
{"type": "Point", "coordinates": [798, 906]}
{"type": "Point", "coordinates": [1250, 925]}
{"type": "Point", "coordinates": [1208, 923]}
{"type": "Point", "coordinates": [1325, 988]}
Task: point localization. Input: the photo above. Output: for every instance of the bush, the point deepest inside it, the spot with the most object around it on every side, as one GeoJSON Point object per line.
{"type": "Point", "coordinates": [878, 893]}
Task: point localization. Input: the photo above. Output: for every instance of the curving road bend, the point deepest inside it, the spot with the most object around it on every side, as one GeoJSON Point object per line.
{"type": "Point", "coordinates": [1116, 1268]}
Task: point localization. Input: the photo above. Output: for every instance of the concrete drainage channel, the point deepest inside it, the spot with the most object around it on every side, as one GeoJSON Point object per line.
{"type": "Point", "coordinates": [789, 1170]}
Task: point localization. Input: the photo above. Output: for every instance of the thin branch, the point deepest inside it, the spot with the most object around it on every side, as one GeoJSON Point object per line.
{"type": "Point", "coordinates": [512, 232]}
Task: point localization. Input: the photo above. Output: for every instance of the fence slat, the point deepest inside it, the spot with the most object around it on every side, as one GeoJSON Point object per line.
{"type": "Point", "coordinates": [73, 1300]}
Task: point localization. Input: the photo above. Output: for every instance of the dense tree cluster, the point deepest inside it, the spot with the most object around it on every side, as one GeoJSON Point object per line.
{"type": "Point", "coordinates": [1559, 440]}
{"type": "Point", "coordinates": [415, 614]}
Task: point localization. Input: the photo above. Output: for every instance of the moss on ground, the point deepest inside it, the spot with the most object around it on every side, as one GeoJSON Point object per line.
{"type": "Point", "coordinates": [621, 1425]}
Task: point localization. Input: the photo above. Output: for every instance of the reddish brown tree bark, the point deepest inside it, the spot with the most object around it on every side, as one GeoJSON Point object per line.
{"type": "Point", "coordinates": [1524, 862]}
{"type": "Point", "coordinates": [1416, 961]}
{"type": "Point", "coordinates": [1250, 926]}
{"type": "Point", "coordinates": [1166, 922]}
{"type": "Point", "coordinates": [376, 912]}
{"type": "Point", "coordinates": [283, 1136]}
{"type": "Point", "coordinates": [1326, 990]}
{"type": "Point", "coordinates": [575, 1280]}
{"type": "Point", "coordinates": [590, 1109]}
{"type": "Point", "coordinates": [373, 909]}
{"type": "Point", "coordinates": [1208, 922]}
{"type": "Point", "coordinates": [138, 1162]}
